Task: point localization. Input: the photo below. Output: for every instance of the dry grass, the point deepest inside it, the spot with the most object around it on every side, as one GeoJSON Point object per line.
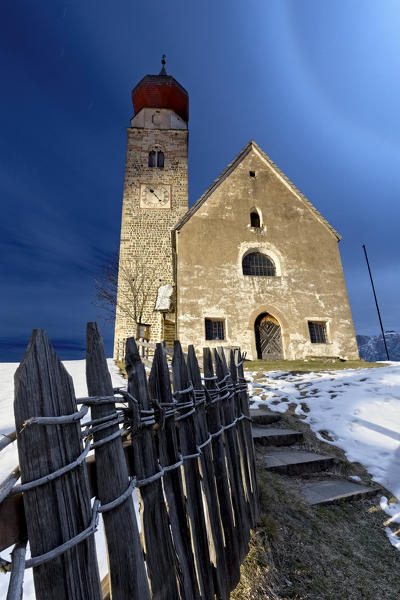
{"type": "Point", "coordinates": [121, 366]}
{"type": "Point", "coordinates": [300, 366]}
{"type": "Point", "coordinates": [335, 552]}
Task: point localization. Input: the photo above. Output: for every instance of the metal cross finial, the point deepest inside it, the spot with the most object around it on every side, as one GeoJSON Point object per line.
{"type": "Point", "coordinates": [163, 61]}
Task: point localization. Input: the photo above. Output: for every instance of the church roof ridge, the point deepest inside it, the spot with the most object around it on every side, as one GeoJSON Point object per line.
{"type": "Point", "coordinates": [228, 169]}
{"type": "Point", "coordinates": [232, 165]}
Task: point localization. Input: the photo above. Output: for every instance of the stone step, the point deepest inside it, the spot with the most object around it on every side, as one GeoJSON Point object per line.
{"type": "Point", "coordinates": [274, 436]}
{"type": "Point", "coordinates": [262, 416]}
{"type": "Point", "coordinates": [329, 491]}
{"type": "Point", "coordinates": [296, 462]}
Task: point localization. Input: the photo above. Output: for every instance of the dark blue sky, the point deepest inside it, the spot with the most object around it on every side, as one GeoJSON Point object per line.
{"type": "Point", "coordinates": [316, 84]}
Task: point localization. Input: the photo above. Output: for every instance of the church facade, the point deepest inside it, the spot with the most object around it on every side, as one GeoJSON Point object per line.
{"type": "Point", "coordinates": [252, 263]}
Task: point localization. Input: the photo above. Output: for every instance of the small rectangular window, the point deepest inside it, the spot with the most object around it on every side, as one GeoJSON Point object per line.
{"type": "Point", "coordinates": [252, 173]}
{"type": "Point", "coordinates": [215, 329]}
{"type": "Point", "coordinates": [143, 331]}
{"type": "Point", "coordinates": [317, 332]}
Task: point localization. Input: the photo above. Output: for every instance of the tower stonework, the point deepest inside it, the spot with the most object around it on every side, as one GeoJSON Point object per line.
{"type": "Point", "coordinates": [155, 198]}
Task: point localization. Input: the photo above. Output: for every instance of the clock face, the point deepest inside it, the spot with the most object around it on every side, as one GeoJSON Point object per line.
{"type": "Point", "coordinates": [155, 196]}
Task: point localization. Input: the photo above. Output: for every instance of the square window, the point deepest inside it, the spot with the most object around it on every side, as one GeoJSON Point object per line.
{"type": "Point", "coordinates": [252, 173]}
{"type": "Point", "coordinates": [317, 332]}
{"type": "Point", "coordinates": [143, 331]}
{"type": "Point", "coordinates": [215, 329]}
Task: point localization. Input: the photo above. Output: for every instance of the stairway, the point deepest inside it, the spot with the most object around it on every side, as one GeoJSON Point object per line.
{"type": "Point", "coordinates": [282, 453]}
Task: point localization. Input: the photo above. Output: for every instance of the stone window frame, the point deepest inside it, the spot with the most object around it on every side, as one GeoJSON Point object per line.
{"type": "Point", "coordinates": [216, 319]}
{"type": "Point", "coordinates": [256, 228]}
{"type": "Point", "coordinates": [157, 150]}
{"type": "Point", "coordinates": [320, 321]}
{"type": "Point", "coordinates": [261, 262]}
{"type": "Point", "coordinates": [264, 248]}
{"type": "Point", "coordinates": [255, 212]}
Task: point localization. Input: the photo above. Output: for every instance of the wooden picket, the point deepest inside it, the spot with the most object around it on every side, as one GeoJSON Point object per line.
{"type": "Point", "coordinates": [127, 573]}
{"type": "Point", "coordinates": [220, 460]}
{"type": "Point", "coordinates": [168, 445]}
{"type": "Point", "coordinates": [187, 450]}
{"type": "Point", "coordinates": [234, 467]}
{"type": "Point", "coordinates": [161, 561]}
{"type": "Point", "coordinates": [59, 509]}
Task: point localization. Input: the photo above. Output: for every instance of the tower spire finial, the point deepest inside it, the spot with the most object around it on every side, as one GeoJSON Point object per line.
{"type": "Point", "coordinates": [163, 61]}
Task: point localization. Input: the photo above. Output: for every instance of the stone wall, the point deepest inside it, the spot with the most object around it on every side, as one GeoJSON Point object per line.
{"type": "Point", "coordinates": [146, 232]}
{"type": "Point", "coordinates": [309, 283]}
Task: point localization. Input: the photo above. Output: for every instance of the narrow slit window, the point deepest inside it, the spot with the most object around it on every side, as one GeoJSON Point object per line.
{"type": "Point", "coordinates": [215, 329]}
{"type": "Point", "coordinates": [255, 219]}
{"type": "Point", "coordinates": [317, 332]}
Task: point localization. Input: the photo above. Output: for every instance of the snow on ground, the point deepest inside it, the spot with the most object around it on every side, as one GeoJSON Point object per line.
{"type": "Point", "coordinates": [358, 409]}
{"type": "Point", "coordinates": [9, 456]}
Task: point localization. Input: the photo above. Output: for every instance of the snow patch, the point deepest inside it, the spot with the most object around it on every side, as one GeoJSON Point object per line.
{"type": "Point", "coordinates": [357, 410]}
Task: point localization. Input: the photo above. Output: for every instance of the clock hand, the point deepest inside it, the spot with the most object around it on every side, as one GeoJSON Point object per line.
{"type": "Point", "coordinates": [153, 192]}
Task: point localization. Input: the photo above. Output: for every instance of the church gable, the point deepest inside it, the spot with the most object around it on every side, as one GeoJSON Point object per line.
{"type": "Point", "coordinates": [270, 173]}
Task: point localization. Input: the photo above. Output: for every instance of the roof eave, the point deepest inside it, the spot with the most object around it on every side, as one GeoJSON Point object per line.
{"type": "Point", "coordinates": [232, 165]}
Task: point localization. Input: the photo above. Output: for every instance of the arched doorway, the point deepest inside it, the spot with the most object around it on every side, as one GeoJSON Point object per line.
{"type": "Point", "coordinates": [268, 337]}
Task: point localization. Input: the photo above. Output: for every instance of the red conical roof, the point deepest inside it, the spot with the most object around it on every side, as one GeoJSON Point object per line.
{"type": "Point", "coordinates": [161, 91]}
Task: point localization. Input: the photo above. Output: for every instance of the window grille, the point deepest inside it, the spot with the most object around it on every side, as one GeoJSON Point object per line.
{"type": "Point", "coordinates": [214, 329]}
{"type": "Point", "coordinates": [254, 219]}
{"type": "Point", "coordinates": [258, 264]}
{"type": "Point", "coordinates": [317, 332]}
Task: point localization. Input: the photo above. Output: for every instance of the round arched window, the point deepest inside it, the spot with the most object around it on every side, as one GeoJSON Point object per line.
{"type": "Point", "coordinates": [258, 264]}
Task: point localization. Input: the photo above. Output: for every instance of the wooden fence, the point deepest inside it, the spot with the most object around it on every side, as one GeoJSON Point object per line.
{"type": "Point", "coordinates": [186, 449]}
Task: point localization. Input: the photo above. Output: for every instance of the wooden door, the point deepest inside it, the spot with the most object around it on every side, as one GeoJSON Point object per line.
{"type": "Point", "coordinates": [268, 338]}
{"type": "Point", "coordinates": [169, 332]}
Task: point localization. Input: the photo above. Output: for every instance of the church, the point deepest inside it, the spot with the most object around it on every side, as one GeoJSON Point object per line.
{"type": "Point", "coordinates": [252, 264]}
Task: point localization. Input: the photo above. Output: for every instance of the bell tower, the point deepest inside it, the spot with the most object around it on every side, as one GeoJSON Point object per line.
{"type": "Point", "coordinates": [155, 198]}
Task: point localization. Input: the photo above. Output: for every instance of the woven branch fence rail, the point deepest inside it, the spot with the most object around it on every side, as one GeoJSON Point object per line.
{"type": "Point", "coordinates": [183, 449]}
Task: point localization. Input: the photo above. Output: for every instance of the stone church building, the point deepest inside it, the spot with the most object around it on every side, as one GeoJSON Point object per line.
{"type": "Point", "coordinates": [252, 263]}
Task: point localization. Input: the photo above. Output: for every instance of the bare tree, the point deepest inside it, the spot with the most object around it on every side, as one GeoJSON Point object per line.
{"type": "Point", "coordinates": [126, 289]}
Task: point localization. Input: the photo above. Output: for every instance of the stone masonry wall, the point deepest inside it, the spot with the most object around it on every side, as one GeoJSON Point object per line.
{"type": "Point", "coordinates": [309, 283]}
{"type": "Point", "coordinates": [146, 232]}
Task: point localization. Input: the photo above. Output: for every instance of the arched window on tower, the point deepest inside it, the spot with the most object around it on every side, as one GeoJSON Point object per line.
{"type": "Point", "coordinates": [160, 159]}
{"type": "Point", "coordinates": [152, 158]}
{"type": "Point", "coordinates": [254, 219]}
{"type": "Point", "coordinates": [258, 265]}
{"type": "Point", "coordinates": [156, 159]}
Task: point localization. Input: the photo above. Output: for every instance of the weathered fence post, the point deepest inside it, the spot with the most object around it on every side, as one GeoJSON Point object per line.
{"type": "Point", "coordinates": [220, 469]}
{"type": "Point", "coordinates": [187, 435]}
{"type": "Point", "coordinates": [160, 389]}
{"type": "Point", "coordinates": [203, 440]}
{"type": "Point", "coordinates": [127, 572]}
{"type": "Point", "coordinates": [244, 404]}
{"type": "Point", "coordinates": [59, 509]}
{"type": "Point", "coordinates": [244, 455]}
{"type": "Point", "coordinates": [231, 444]}
{"type": "Point", "coordinates": [161, 561]}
